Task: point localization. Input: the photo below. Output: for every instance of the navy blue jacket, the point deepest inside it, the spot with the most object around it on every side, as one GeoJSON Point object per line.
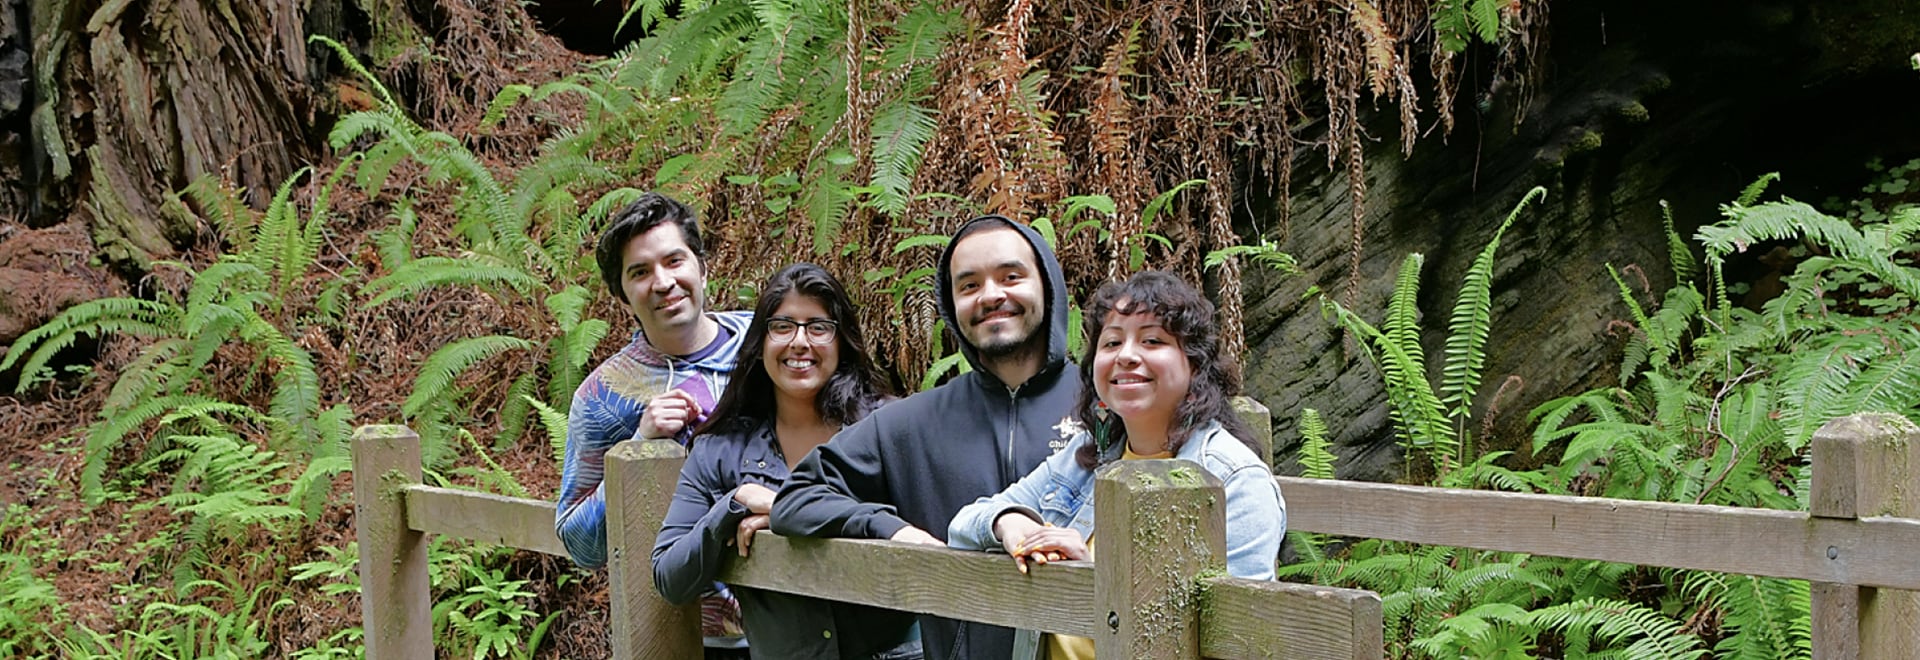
{"type": "Point", "coordinates": [696, 540]}
{"type": "Point", "coordinates": [918, 460]}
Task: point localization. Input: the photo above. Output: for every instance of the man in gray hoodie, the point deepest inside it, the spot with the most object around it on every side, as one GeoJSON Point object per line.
{"type": "Point", "coordinates": [905, 470]}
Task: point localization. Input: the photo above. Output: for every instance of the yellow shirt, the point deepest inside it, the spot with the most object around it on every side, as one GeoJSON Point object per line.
{"type": "Point", "coordinates": [1068, 647]}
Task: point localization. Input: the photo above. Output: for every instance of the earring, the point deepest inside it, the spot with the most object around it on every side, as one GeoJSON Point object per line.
{"type": "Point", "coordinates": [1102, 423]}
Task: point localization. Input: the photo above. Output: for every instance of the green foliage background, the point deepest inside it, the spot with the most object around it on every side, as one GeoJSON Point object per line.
{"type": "Point", "coordinates": [857, 139]}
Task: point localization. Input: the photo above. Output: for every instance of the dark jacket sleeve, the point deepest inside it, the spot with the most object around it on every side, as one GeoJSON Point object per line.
{"type": "Point", "coordinates": [701, 519]}
{"type": "Point", "coordinates": [836, 489]}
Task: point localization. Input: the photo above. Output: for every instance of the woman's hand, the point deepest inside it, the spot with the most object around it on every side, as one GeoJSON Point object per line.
{"type": "Point", "coordinates": [1028, 540]}
{"type": "Point", "coordinates": [757, 498]}
{"type": "Point", "coordinates": [743, 538]}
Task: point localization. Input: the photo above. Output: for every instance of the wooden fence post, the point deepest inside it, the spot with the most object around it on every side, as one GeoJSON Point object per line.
{"type": "Point", "coordinates": [1158, 525]}
{"type": "Point", "coordinates": [641, 475]}
{"type": "Point", "coordinates": [1259, 420]}
{"type": "Point", "coordinates": [396, 611]}
{"type": "Point", "coordinates": [1863, 466]}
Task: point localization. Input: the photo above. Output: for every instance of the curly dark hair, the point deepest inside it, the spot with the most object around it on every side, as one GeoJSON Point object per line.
{"type": "Point", "coordinates": [854, 389]}
{"type": "Point", "coordinates": [640, 217]}
{"type": "Point", "coordinates": [1189, 317]}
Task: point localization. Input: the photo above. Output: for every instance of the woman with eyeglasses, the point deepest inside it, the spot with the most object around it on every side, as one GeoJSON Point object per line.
{"type": "Point", "coordinates": [803, 372]}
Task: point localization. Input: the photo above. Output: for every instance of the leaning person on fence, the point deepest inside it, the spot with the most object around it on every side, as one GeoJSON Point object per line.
{"type": "Point", "coordinates": [802, 373]}
{"type": "Point", "coordinates": [902, 472]}
{"type": "Point", "coordinates": [652, 258]}
{"type": "Point", "coordinates": [1152, 386]}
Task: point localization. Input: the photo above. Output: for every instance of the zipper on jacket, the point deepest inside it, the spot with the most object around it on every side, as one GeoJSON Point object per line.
{"type": "Point", "coordinates": [1007, 474]}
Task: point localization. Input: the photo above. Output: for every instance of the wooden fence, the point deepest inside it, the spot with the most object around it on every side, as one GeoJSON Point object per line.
{"type": "Point", "coordinates": [1161, 595]}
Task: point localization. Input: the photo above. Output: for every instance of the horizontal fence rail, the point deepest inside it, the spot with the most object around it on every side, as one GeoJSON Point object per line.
{"type": "Point", "coordinates": [1875, 552]}
{"type": "Point", "coordinates": [1865, 570]}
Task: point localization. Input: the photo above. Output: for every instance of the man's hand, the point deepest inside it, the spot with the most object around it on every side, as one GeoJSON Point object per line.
{"type": "Point", "coordinates": [743, 537]}
{"type": "Point", "coordinates": [666, 415]}
{"type": "Point", "coordinates": [757, 498]}
{"type": "Point", "coordinates": [911, 534]}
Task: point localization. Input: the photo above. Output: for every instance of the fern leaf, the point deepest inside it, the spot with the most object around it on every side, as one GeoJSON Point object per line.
{"type": "Point", "coordinates": [1679, 256]}
{"type": "Point", "coordinates": [514, 411]}
{"type": "Point", "coordinates": [94, 318]}
{"type": "Point", "coordinates": [901, 131]}
{"type": "Point", "coordinates": [429, 272]}
{"type": "Point", "coordinates": [1465, 352]}
{"type": "Point", "coordinates": [556, 424]}
{"type": "Point", "coordinates": [1316, 455]}
{"type": "Point", "coordinates": [1753, 191]}
{"type": "Point", "coordinates": [447, 364]}
{"type": "Point", "coordinates": [1402, 325]}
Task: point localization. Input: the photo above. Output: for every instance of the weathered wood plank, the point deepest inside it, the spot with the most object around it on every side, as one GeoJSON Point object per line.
{"type": "Point", "coordinates": [1255, 619]}
{"type": "Point", "coordinates": [974, 586]}
{"type": "Point", "coordinates": [1866, 465]}
{"type": "Point", "coordinates": [510, 521]}
{"type": "Point", "coordinates": [395, 597]}
{"type": "Point", "coordinates": [1159, 524]}
{"type": "Point", "coordinates": [1871, 552]}
{"type": "Point", "coordinates": [641, 476]}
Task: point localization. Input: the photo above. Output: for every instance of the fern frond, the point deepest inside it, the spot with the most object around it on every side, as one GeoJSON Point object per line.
{"type": "Point", "coordinates": [1753, 191]}
{"type": "Point", "coordinates": [1814, 381]}
{"type": "Point", "coordinates": [1316, 455]}
{"type": "Point", "coordinates": [1890, 382]}
{"type": "Point", "coordinates": [514, 411]}
{"type": "Point", "coordinates": [103, 438]}
{"type": "Point", "coordinates": [1402, 325]}
{"type": "Point", "coordinates": [556, 424]}
{"type": "Point", "coordinates": [1786, 219]}
{"type": "Point", "coordinates": [1650, 633]}
{"type": "Point", "coordinates": [353, 64]}
{"type": "Point", "coordinates": [148, 375]}
{"type": "Point", "coordinates": [1465, 352]}
{"type": "Point", "coordinates": [1679, 256]}
{"type": "Point", "coordinates": [428, 272]}
{"type": "Point", "coordinates": [94, 318]}
{"type": "Point", "coordinates": [447, 364]}
{"type": "Point", "coordinates": [901, 131]}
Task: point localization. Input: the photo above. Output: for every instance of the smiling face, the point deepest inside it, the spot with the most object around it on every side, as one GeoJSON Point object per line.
{"type": "Point", "coordinates": [800, 364]}
{"type": "Point", "coordinates": [1140, 370]}
{"type": "Point", "coordinates": [664, 282]}
{"type": "Point", "coordinates": [997, 297]}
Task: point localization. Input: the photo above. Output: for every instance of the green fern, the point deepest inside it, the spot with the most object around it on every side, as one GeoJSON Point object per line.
{"type": "Point", "coordinates": [1422, 421]}
{"type": "Point", "coordinates": [1316, 455]}
{"type": "Point", "coordinates": [569, 352]}
{"type": "Point", "coordinates": [94, 318]}
{"type": "Point", "coordinates": [1645, 633]}
{"type": "Point", "coordinates": [427, 273]}
{"type": "Point", "coordinates": [441, 369]}
{"type": "Point", "coordinates": [556, 425]}
{"type": "Point", "coordinates": [1467, 329]}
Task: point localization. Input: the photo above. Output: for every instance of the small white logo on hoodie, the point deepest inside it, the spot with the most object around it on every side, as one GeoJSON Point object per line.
{"type": "Point", "coordinates": [1067, 428]}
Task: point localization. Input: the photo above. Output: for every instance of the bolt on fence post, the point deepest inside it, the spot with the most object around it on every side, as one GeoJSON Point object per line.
{"type": "Point", "coordinates": [641, 475]}
{"type": "Point", "coordinates": [1865, 465]}
{"type": "Point", "coordinates": [396, 611]}
{"type": "Point", "coordinates": [1159, 524]}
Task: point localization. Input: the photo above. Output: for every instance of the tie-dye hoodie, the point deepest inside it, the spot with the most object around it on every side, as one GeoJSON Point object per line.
{"type": "Point", "coordinates": [606, 410]}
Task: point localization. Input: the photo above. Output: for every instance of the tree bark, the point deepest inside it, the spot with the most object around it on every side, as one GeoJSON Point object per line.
{"type": "Point", "coordinates": [139, 99]}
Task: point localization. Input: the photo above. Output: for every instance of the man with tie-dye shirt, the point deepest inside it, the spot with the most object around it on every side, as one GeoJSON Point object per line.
{"type": "Point", "coordinates": [660, 385]}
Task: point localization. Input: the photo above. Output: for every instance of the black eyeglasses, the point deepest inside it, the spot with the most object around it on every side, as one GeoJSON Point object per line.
{"type": "Point", "coordinates": [819, 331]}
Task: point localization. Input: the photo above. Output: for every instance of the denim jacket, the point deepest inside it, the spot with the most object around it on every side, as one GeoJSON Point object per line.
{"type": "Point", "coordinates": [1060, 493]}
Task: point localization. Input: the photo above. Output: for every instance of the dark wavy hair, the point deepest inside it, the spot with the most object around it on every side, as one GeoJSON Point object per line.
{"type": "Point", "coordinates": [1188, 316]}
{"type": "Point", "coordinates": [854, 389]}
{"type": "Point", "coordinates": [637, 218]}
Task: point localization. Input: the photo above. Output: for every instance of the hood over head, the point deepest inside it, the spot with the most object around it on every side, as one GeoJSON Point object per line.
{"type": "Point", "coordinates": [1052, 286]}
